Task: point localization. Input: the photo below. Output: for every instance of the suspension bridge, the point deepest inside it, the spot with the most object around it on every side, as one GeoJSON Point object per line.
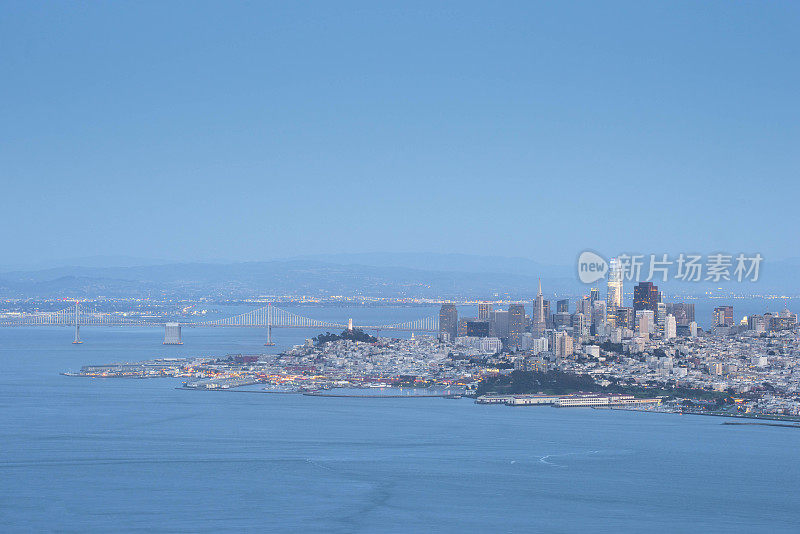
{"type": "Point", "coordinates": [267, 317]}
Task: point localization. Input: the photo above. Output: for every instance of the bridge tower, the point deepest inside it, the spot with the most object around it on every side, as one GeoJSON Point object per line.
{"type": "Point", "coordinates": [269, 342]}
{"type": "Point", "coordinates": [172, 334]}
{"type": "Point", "coordinates": [77, 339]}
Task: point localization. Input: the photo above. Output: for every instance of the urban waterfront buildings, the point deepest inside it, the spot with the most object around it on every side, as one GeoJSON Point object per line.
{"type": "Point", "coordinates": [756, 361]}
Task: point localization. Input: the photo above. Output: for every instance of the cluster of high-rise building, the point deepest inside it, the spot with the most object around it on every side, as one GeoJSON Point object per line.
{"type": "Point", "coordinates": [547, 329]}
{"type": "Point", "coordinates": [516, 329]}
{"type": "Point", "coordinates": [558, 330]}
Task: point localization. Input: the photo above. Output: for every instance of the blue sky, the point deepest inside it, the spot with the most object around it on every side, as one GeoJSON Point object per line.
{"type": "Point", "coordinates": [247, 131]}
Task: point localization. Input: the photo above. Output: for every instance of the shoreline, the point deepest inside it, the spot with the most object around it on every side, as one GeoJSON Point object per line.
{"type": "Point", "coordinates": [786, 419]}
{"type": "Point", "coordinates": [755, 417]}
{"type": "Point", "coordinates": [359, 396]}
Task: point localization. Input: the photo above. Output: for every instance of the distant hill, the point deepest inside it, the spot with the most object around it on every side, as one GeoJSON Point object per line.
{"type": "Point", "coordinates": [467, 263]}
{"type": "Point", "coordinates": [374, 275]}
{"type": "Point", "coordinates": [295, 277]}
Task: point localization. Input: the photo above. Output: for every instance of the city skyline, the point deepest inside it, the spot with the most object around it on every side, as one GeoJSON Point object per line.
{"type": "Point", "coordinates": [286, 266]}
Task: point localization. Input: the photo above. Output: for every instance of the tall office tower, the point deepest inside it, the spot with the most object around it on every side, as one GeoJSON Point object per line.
{"type": "Point", "coordinates": [484, 309]}
{"type": "Point", "coordinates": [646, 297]}
{"type": "Point", "coordinates": [539, 321]}
{"type": "Point", "coordinates": [614, 297]}
{"type": "Point", "coordinates": [598, 314]}
{"type": "Point", "coordinates": [693, 329]}
{"type": "Point", "coordinates": [565, 347]}
{"type": "Point", "coordinates": [562, 306]}
{"type": "Point", "coordinates": [670, 327]}
{"type": "Point", "coordinates": [580, 325]}
{"type": "Point", "coordinates": [768, 321]}
{"type": "Point", "coordinates": [561, 320]}
{"type": "Point", "coordinates": [562, 344]}
{"type": "Point", "coordinates": [498, 323]}
{"type": "Point", "coordinates": [477, 328]}
{"type": "Point", "coordinates": [461, 331]}
{"type": "Point", "coordinates": [723, 316]}
{"type": "Point", "coordinates": [689, 307]}
{"type": "Point", "coordinates": [448, 322]}
{"type": "Point", "coordinates": [516, 324]}
{"type": "Point", "coordinates": [756, 323]}
{"type": "Point", "coordinates": [625, 317]}
{"type": "Point", "coordinates": [584, 306]}
{"type": "Point", "coordinates": [683, 312]}
{"type": "Point", "coordinates": [661, 317]}
{"type": "Point", "coordinates": [548, 317]}
{"type": "Point", "coordinates": [644, 322]}
{"type": "Point", "coordinates": [594, 294]}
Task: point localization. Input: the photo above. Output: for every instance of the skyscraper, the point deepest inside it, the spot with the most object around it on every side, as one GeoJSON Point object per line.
{"type": "Point", "coordinates": [562, 306]}
{"type": "Point", "coordinates": [661, 317]}
{"type": "Point", "coordinates": [584, 306]}
{"type": "Point", "coordinates": [670, 327]}
{"type": "Point", "coordinates": [614, 297]}
{"type": "Point", "coordinates": [498, 325]}
{"type": "Point", "coordinates": [599, 315]}
{"type": "Point", "coordinates": [624, 317]}
{"type": "Point", "coordinates": [756, 323]}
{"type": "Point", "coordinates": [644, 322]}
{"type": "Point", "coordinates": [646, 297]}
{"type": "Point", "coordinates": [477, 328]}
{"type": "Point", "coordinates": [448, 321]}
{"type": "Point", "coordinates": [516, 324]}
{"type": "Point", "coordinates": [683, 312]}
{"type": "Point", "coordinates": [560, 320]}
{"type": "Point", "coordinates": [539, 323]}
{"type": "Point", "coordinates": [563, 346]}
{"type": "Point", "coordinates": [594, 294]}
{"type": "Point", "coordinates": [548, 318]}
{"type": "Point", "coordinates": [723, 316]}
{"type": "Point", "coordinates": [580, 325]}
{"type": "Point", "coordinates": [484, 309]}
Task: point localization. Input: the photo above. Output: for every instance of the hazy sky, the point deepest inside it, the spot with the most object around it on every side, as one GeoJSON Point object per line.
{"type": "Point", "coordinates": [255, 130]}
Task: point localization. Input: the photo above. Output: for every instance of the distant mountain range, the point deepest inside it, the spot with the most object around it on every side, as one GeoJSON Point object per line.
{"type": "Point", "coordinates": [465, 263]}
{"type": "Point", "coordinates": [372, 275]}
{"type": "Point", "coordinates": [290, 277]}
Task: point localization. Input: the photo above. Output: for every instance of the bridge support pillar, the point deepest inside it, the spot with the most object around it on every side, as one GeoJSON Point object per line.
{"type": "Point", "coordinates": [172, 334]}
{"type": "Point", "coordinates": [77, 339]}
{"type": "Point", "coordinates": [269, 342]}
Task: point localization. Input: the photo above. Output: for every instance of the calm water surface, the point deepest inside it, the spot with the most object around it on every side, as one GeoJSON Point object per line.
{"type": "Point", "coordinates": [97, 455]}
